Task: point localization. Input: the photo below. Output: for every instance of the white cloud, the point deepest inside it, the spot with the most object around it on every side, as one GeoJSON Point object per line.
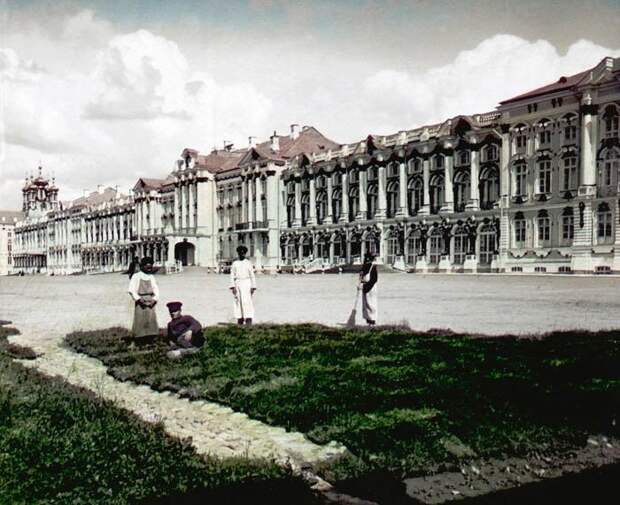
{"type": "Point", "coordinates": [475, 81]}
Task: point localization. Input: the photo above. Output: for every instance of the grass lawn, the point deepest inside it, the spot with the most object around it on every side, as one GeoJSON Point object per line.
{"type": "Point", "coordinates": [60, 444]}
{"type": "Point", "coordinates": [403, 402]}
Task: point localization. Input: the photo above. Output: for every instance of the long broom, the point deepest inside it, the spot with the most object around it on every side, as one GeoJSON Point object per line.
{"type": "Point", "coordinates": [351, 321]}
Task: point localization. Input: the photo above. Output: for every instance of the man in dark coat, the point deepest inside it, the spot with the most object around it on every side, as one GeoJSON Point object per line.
{"type": "Point", "coordinates": [133, 266]}
{"type": "Point", "coordinates": [183, 330]}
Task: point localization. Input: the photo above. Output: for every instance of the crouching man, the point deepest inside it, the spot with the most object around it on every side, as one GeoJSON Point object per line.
{"type": "Point", "coordinates": [184, 332]}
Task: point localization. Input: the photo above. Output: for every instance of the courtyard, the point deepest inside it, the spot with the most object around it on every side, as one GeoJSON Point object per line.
{"type": "Point", "coordinates": [479, 304]}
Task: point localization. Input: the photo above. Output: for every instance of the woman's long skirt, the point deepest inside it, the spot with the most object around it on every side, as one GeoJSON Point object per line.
{"type": "Point", "coordinates": [243, 305]}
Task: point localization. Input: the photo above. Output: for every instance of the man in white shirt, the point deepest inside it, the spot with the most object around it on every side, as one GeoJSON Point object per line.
{"type": "Point", "coordinates": [243, 285]}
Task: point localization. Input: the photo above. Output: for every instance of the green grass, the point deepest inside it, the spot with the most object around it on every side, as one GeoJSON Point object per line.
{"type": "Point", "coordinates": [402, 402]}
{"type": "Point", "coordinates": [60, 444]}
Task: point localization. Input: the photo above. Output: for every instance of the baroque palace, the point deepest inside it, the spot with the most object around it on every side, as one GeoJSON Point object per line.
{"type": "Point", "coordinates": [530, 187]}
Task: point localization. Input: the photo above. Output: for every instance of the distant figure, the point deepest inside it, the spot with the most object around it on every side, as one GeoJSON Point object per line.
{"type": "Point", "coordinates": [184, 332]}
{"type": "Point", "coordinates": [133, 266]}
{"type": "Point", "coordinates": [368, 279]}
{"type": "Point", "coordinates": [145, 293]}
{"type": "Point", "coordinates": [243, 285]}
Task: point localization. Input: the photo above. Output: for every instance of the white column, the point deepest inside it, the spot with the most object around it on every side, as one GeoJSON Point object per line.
{"type": "Point", "coordinates": [381, 200]}
{"type": "Point", "coordinates": [448, 205]}
{"type": "Point", "coordinates": [259, 209]}
{"type": "Point", "coordinates": [588, 146]}
{"type": "Point", "coordinates": [402, 185]}
{"type": "Point", "coordinates": [244, 203]}
{"type": "Point", "coordinates": [250, 183]}
{"type": "Point", "coordinates": [330, 190]}
{"type": "Point", "coordinates": [312, 216]}
{"type": "Point", "coordinates": [362, 211]}
{"type": "Point", "coordinates": [297, 220]}
{"type": "Point", "coordinates": [425, 210]}
{"type": "Point", "coordinates": [344, 216]}
{"type": "Point", "coordinates": [190, 195]}
{"type": "Point", "coordinates": [474, 196]}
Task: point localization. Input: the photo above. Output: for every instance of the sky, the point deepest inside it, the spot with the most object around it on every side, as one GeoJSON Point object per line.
{"type": "Point", "coordinates": [105, 92]}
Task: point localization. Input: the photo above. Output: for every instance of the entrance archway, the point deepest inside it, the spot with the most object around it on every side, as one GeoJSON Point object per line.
{"type": "Point", "coordinates": [184, 252]}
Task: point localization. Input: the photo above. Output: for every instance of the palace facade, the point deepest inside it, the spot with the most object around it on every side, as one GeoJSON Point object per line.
{"type": "Point", "coordinates": [529, 187]}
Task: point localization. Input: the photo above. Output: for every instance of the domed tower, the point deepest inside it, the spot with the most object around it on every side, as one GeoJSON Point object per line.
{"type": "Point", "coordinates": [40, 196]}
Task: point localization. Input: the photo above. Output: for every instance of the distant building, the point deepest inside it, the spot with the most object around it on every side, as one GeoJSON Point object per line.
{"type": "Point", "coordinates": [8, 220]}
{"type": "Point", "coordinates": [529, 187]}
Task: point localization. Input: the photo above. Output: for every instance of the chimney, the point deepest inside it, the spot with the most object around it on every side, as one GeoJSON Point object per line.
{"type": "Point", "coordinates": [100, 189]}
{"type": "Point", "coordinates": [294, 131]}
{"type": "Point", "coordinates": [85, 193]}
{"type": "Point", "coordinates": [275, 142]}
{"type": "Point", "coordinates": [252, 141]}
{"type": "Point", "coordinates": [228, 145]}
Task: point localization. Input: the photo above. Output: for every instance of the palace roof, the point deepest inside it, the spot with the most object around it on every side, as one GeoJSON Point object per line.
{"type": "Point", "coordinates": [94, 198]}
{"type": "Point", "coordinates": [10, 216]}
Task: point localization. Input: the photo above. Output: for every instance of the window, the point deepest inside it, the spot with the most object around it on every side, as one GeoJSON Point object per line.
{"type": "Point", "coordinates": [519, 227]}
{"type": "Point", "coordinates": [305, 208]}
{"type": "Point", "coordinates": [544, 176]}
{"type": "Point", "coordinates": [436, 246]}
{"type": "Point", "coordinates": [544, 229]}
{"type": "Point", "coordinates": [290, 204]}
{"type": "Point", "coordinates": [437, 193]}
{"type": "Point", "coordinates": [521, 141]}
{"type": "Point", "coordinates": [463, 158]}
{"type": "Point", "coordinates": [414, 166]}
{"type": "Point", "coordinates": [392, 248]}
{"type": "Point", "coordinates": [371, 201]}
{"type": "Point", "coordinates": [490, 153]}
{"type": "Point", "coordinates": [392, 170]}
{"type": "Point", "coordinates": [611, 164]}
{"type": "Point", "coordinates": [570, 133]}
{"type": "Point", "coordinates": [414, 247]}
{"type": "Point", "coordinates": [462, 190]}
{"type": "Point", "coordinates": [438, 162]}
{"type": "Point", "coordinates": [520, 179]}
{"type": "Point", "coordinates": [392, 194]}
{"type": "Point", "coordinates": [604, 227]}
{"type": "Point", "coordinates": [415, 195]}
{"type": "Point", "coordinates": [489, 187]}
{"type": "Point", "coordinates": [322, 247]}
{"type": "Point", "coordinates": [544, 137]}
{"type": "Point", "coordinates": [321, 206]}
{"type": "Point", "coordinates": [568, 226]}
{"type": "Point", "coordinates": [460, 245]}
{"type": "Point", "coordinates": [569, 173]}
{"type": "Point", "coordinates": [336, 204]}
{"type": "Point", "coordinates": [487, 244]}
{"type": "Point", "coordinates": [610, 122]}
{"type": "Point", "coordinates": [371, 242]}
{"type": "Point", "coordinates": [354, 200]}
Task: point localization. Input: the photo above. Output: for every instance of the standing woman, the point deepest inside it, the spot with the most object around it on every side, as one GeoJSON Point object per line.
{"type": "Point", "coordinates": [243, 285]}
{"type": "Point", "coordinates": [145, 293]}
{"type": "Point", "coordinates": [368, 280]}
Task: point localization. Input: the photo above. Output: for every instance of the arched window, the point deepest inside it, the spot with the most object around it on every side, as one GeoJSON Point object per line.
{"type": "Point", "coordinates": [487, 243]}
{"type": "Point", "coordinates": [462, 158]}
{"type": "Point", "coordinates": [462, 190]}
{"type": "Point", "coordinates": [519, 230]}
{"type": "Point", "coordinates": [569, 133]}
{"type": "Point", "coordinates": [392, 247]}
{"type": "Point", "coordinates": [438, 162]}
{"type": "Point", "coordinates": [436, 246]}
{"type": "Point", "coordinates": [489, 187]}
{"type": "Point", "coordinates": [290, 204]}
{"type": "Point", "coordinates": [356, 246]}
{"type": "Point", "coordinates": [520, 173]}
{"type": "Point", "coordinates": [414, 247]}
{"type": "Point", "coordinates": [322, 247]}
{"type": "Point", "coordinates": [437, 193]}
{"type": "Point", "coordinates": [415, 195]}
{"type": "Point", "coordinates": [321, 206]}
{"type": "Point", "coordinates": [544, 229]}
{"type": "Point", "coordinates": [544, 176]}
{"type": "Point", "coordinates": [392, 170]}
{"type": "Point", "coordinates": [604, 224]}
{"type": "Point", "coordinates": [610, 122]}
{"type": "Point", "coordinates": [392, 192]}
{"type": "Point", "coordinates": [568, 226]}
{"type": "Point", "coordinates": [544, 133]}
{"type": "Point", "coordinates": [354, 200]}
{"type": "Point", "coordinates": [371, 200]}
{"type": "Point", "coordinates": [608, 174]}
{"type": "Point", "coordinates": [336, 204]}
{"type": "Point", "coordinates": [305, 208]}
{"type": "Point", "coordinates": [372, 244]}
{"type": "Point", "coordinates": [460, 245]}
{"type": "Point", "coordinates": [569, 173]}
{"type": "Point", "coordinates": [340, 247]}
{"type": "Point", "coordinates": [490, 153]}
{"type": "Point", "coordinates": [321, 182]}
{"type": "Point", "coordinates": [414, 166]}
{"type": "Point", "coordinates": [306, 246]}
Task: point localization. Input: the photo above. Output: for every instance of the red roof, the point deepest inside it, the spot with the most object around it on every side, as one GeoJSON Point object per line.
{"type": "Point", "coordinates": [561, 84]}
